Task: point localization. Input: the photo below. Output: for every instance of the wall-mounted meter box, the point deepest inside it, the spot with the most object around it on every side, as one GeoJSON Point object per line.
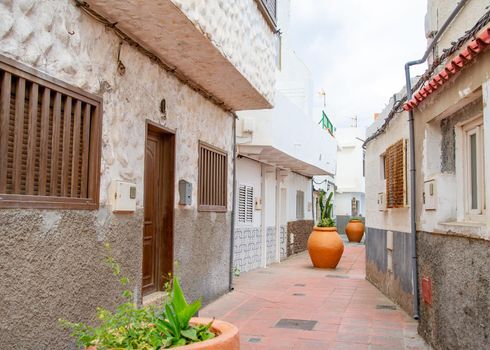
{"type": "Point", "coordinates": [185, 192]}
{"type": "Point", "coordinates": [430, 195]}
{"type": "Point", "coordinates": [122, 196]}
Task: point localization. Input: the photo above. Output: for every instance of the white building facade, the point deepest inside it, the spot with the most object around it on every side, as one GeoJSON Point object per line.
{"type": "Point", "coordinates": [279, 152]}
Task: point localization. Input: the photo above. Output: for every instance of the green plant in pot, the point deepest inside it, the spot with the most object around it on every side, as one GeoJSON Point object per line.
{"type": "Point", "coordinates": [324, 244]}
{"type": "Point", "coordinates": [355, 229]}
{"type": "Point", "coordinates": [153, 327]}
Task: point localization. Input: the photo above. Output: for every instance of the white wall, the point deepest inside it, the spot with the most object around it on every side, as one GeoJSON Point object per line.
{"type": "Point", "coordinates": [390, 219]}
{"type": "Point", "coordinates": [343, 203]}
{"type": "Point", "coordinates": [248, 172]}
{"type": "Point", "coordinates": [349, 176]}
{"type": "Point", "coordinates": [288, 129]}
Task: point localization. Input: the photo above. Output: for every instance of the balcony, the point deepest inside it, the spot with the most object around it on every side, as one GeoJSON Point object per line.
{"type": "Point", "coordinates": [287, 138]}
{"type": "Point", "coordinates": [269, 10]}
{"type": "Point", "coordinates": [197, 41]}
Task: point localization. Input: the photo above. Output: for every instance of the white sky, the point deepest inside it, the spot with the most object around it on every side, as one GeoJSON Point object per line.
{"type": "Point", "coordinates": [356, 50]}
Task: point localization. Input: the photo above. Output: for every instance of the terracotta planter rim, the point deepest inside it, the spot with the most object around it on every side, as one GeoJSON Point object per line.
{"type": "Point", "coordinates": [328, 229]}
{"type": "Point", "coordinates": [227, 336]}
{"type": "Point", "coordinates": [355, 220]}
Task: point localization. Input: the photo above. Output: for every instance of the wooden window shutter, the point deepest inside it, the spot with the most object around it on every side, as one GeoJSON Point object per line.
{"type": "Point", "coordinates": [396, 176]}
{"type": "Point", "coordinates": [213, 178]}
{"type": "Point", "coordinates": [49, 141]}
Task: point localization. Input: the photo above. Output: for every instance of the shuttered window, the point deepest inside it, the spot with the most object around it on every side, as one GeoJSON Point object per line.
{"type": "Point", "coordinates": [245, 204]}
{"type": "Point", "coordinates": [300, 205]}
{"type": "Point", "coordinates": [213, 171]}
{"type": "Point", "coordinates": [396, 175]}
{"type": "Point", "coordinates": [49, 141]}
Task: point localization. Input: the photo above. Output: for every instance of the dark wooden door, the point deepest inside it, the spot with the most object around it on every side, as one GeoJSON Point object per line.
{"type": "Point", "coordinates": [158, 209]}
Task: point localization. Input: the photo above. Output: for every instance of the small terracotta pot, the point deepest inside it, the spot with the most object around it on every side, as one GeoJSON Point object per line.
{"type": "Point", "coordinates": [354, 230]}
{"type": "Point", "coordinates": [227, 339]}
{"type": "Point", "coordinates": [325, 247]}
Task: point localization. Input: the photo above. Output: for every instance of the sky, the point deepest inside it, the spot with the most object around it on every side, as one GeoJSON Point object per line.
{"type": "Point", "coordinates": [356, 51]}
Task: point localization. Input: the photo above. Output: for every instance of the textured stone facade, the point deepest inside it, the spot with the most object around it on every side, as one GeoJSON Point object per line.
{"type": "Point", "coordinates": [459, 270]}
{"type": "Point", "coordinates": [297, 236]}
{"type": "Point", "coordinates": [51, 261]}
{"type": "Point", "coordinates": [254, 54]}
{"type": "Point", "coordinates": [271, 245]}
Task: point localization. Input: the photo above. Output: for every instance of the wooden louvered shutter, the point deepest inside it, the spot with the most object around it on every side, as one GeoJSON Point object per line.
{"type": "Point", "coordinates": [213, 178]}
{"type": "Point", "coordinates": [49, 141]}
{"type": "Point", "coordinates": [396, 177]}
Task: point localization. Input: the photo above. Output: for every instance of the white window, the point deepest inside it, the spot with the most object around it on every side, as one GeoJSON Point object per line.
{"type": "Point", "coordinates": [300, 205]}
{"type": "Point", "coordinates": [245, 204]}
{"type": "Point", "coordinates": [473, 170]}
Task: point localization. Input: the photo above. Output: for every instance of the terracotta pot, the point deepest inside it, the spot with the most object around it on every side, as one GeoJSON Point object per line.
{"type": "Point", "coordinates": [325, 247]}
{"type": "Point", "coordinates": [228, 338]}
{"type": "Point", "coordinates": [354, 230]}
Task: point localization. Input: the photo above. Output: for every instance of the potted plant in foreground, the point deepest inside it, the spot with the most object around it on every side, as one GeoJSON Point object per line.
{"type": "Point", "coordinates": [324, 244]}
{"type": "Point", "coordinates": [154, 327]}
{"type": "Point", "coordinates": [355, 229]}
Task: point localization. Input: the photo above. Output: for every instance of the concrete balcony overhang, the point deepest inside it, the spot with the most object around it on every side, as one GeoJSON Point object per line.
{"type": "Point", "coordinates": [272, 156]}
{"type": "Point", "coordinates": [160, 27]}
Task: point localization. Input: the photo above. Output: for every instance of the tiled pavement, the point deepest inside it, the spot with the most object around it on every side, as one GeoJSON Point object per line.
{"type": "Point", "coordinates": [346, 310]}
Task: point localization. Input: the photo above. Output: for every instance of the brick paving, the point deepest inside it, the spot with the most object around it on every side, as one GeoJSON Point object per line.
{"type": "Point", "coordinates": [325, 309]}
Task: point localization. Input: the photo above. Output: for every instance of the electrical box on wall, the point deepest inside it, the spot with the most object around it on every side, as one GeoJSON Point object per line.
{"type": "Point", "coordinates": [381, 201]}
{"type": "Point", "coordinates": [185, 192]}
{"type": "Point", "coordinates": [430, 195]}
{"type": "Point", "coordinates": [258, 203]}
{"type": "Point", "coordinates": [122, 196]}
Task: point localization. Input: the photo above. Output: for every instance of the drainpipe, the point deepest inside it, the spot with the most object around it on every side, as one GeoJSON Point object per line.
{"type": "Point", "coordinates": [413, 227]}
{"type": "Point", "coordinates": [233, 206]}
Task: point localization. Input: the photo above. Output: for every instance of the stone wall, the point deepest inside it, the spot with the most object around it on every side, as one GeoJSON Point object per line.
{"type": "Point", "coordinates": [51, 261]}
{"type": "Point", "coordinates": [297, 236]}
{"type": "Point", "coordinates": [459, 270]}
{"type": "Point", "coordinates": [393, 280]}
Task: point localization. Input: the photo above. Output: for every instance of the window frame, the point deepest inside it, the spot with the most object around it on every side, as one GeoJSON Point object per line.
{"type": "Point", "coordinates": [387, 180]}
{"type": "Point", "coordinates": [21, 201]}
{"type": "Point", "coordinates": [473, 127]}
{"type": "Point", "coordinates": [300, 216]}
{"type": "Point", "coordinates": [205, 207]}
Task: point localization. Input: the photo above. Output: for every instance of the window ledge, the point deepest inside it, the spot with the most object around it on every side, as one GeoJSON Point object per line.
{"type": "Point", "coordinates": [467, 229]}
{"type": "Point", "coordinates": [464, 224]}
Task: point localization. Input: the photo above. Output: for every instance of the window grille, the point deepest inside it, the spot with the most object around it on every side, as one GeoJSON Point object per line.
{"type": "Point", "coordinates": [49, 141]}
{"type": "Point", "coordinates": [213, 171]}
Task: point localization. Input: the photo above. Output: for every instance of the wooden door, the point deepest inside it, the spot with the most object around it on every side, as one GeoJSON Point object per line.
{"type": "Point", "coordinates": [158, 210]}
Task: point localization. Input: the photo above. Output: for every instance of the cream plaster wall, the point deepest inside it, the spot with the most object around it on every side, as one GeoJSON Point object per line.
{"type": "Point", "coordinates": [470, 82]}
{"type": "Point", "coordinates": [439, 10]}
{"type": "Point", "coordinates": [58, 39]}
{"type": "Point", "coordinates": [238, 29]}
{"type": "Point", "coordinates": [390, 219]}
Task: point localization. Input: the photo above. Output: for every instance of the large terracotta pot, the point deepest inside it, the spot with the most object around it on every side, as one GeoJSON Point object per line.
{"type": "Point", "coordinates": [325, 247]}
{"type": "Point", "coordinates": [228, 338]}
{"type": "Point", "coordinates": [354, 230]}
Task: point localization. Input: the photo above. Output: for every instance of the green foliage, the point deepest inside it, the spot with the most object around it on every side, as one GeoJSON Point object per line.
{"type": "Point", "coordinates": [146, 328]}
{"type": "Point", "coordinates": [355, 218]}
{"type": "Point", "coordinates": [326, 207]}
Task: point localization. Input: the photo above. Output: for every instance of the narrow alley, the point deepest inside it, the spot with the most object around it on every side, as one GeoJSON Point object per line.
{"type": "Point", "coordinates": [293, 305]}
